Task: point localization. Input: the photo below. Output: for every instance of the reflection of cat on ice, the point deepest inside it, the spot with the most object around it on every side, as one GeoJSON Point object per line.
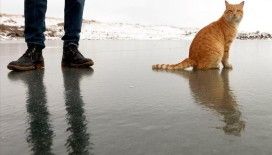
{"type": "Point", "coordinates": [211, 89]}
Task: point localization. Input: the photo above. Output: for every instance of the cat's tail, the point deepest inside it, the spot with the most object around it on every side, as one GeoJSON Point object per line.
{"type": "Point", "coordinates": [182, 65]}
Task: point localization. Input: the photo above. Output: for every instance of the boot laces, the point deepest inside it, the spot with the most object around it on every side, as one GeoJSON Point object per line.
{"type": "Point", "coordinates": [30, 52]}
{"type": "Point", "coordinates": [74, 50]}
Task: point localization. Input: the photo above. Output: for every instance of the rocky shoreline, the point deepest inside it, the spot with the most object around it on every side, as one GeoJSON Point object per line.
{"type": "Point", "coordinates": [12, 27]}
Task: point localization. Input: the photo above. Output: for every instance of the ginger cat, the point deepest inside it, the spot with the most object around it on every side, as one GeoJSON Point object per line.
{"type": "Point", "coordinates": [212, 43]}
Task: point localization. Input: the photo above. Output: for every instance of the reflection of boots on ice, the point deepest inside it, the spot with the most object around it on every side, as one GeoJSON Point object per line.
{"type": "Point", "coordinates": [78, 140]}
{"type": "Point", "coordinates": [40, 132]}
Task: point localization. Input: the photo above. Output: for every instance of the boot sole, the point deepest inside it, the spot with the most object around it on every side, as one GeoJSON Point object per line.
{"type": "Point", "coordinates": [84, 65]}
{"type": "Point", "coordinates": [26, 68]}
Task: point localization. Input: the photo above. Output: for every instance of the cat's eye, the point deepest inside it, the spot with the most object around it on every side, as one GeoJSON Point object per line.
{"type": "Point", "coordinates": [230, 11]}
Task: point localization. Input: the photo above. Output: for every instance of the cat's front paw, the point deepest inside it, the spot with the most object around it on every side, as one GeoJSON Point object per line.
{"type": "Point", "coordinates": [228, 66]}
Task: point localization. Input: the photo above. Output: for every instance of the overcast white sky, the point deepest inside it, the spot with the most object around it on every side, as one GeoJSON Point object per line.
{"type": "Point", "coordinates": [185, 13]}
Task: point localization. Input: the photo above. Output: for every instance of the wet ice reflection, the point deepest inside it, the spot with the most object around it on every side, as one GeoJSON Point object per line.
{"type": "Point", "coordinates": [39, 131]}
{"type": "Point", "coordinates": [78, 140]}
{"type": "Point", "coordinates": [212, 90]}
{"type": "Point", "coordinates": [125, 107]}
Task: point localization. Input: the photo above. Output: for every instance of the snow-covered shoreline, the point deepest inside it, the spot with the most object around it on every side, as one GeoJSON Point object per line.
{"type": "Point", "coordinates": [12, 27]}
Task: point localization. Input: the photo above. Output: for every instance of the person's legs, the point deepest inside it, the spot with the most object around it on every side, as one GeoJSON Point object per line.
{"type": "Point", "coordinates": [72, 27]}
{"type": "Point", "coordinates": [35, 22]}
{"type": "Point", "coordinates": [72, 21]}
{"type": "Point", "coordinates": [34, 28]}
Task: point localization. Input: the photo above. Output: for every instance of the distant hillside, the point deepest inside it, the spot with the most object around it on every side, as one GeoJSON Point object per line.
{"type": "Point", "coordinates": [12, 27]}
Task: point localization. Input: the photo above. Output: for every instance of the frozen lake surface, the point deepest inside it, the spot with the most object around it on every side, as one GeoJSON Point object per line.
{"type": "Point", "coordinates": [123, 107]}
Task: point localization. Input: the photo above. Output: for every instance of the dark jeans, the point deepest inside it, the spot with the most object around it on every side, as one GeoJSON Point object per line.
{"type": "Point", "coordinates": [35, 21]}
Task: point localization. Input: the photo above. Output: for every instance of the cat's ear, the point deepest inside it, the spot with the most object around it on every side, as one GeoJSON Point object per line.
{"type": "Point", "coordinates": [226, 3]}
{"type": "Point", "coordinates": [242, 3]}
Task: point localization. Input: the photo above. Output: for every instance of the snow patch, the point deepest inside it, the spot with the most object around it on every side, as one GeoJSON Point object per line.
{"type": "Point", "coordinates": [12, 26]}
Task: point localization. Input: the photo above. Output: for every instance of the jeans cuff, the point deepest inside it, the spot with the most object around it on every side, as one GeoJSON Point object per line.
{"type": "Point", "coordinates": [67, 43]}
{"type": "Point", "coordinates": [33, 44]}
